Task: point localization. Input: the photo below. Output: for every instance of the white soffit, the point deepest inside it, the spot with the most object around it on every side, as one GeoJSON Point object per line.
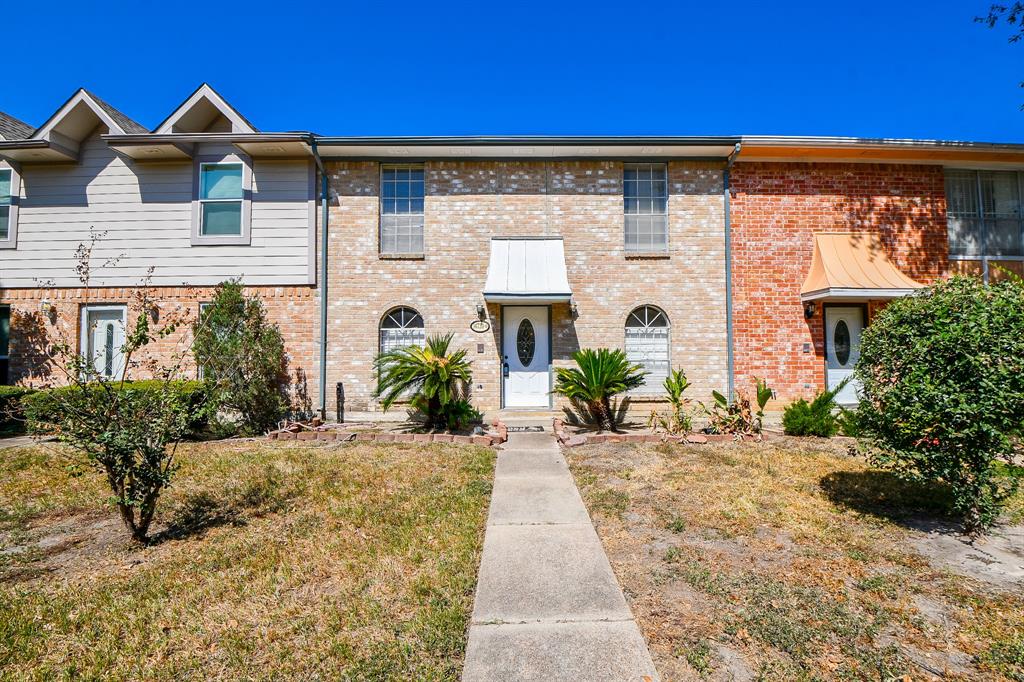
{"type": "Point", "coordinates": [524, 269]}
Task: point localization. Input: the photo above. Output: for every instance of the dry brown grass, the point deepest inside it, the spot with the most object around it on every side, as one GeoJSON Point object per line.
{"type": "Point", "coordinates": [789, 560]}
{"type": "Point", "coordinates": [272, 562]}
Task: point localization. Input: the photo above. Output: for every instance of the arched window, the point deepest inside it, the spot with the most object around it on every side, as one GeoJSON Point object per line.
{"type": "Point", "coordinates": [401, 327]}
{"type": "Point", "coordinates": [647, 344]}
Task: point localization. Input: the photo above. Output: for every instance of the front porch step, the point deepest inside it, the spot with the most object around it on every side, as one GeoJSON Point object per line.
{"type": "Point", "coordinates": [518, 415]}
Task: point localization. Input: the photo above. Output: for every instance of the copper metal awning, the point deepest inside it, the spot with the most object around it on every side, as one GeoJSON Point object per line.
{"type": "Point", "coordinates": [853, 265]}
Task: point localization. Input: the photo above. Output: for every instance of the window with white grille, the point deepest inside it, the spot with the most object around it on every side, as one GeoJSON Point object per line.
{"type": "Point", "coordinates": [645, 195]}
{"type": "Point", "coordinates": [400, 328]}
{"type": "Point", "coordinates": [647, 345]}
{"type": "Point", "coordinates": [401, 210]}
{"type": "Point", "coordinates": [983, 215]}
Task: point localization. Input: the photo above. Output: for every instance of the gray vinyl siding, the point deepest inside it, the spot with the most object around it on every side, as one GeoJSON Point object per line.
{"type": "Point", "coordinates": [146, 212]}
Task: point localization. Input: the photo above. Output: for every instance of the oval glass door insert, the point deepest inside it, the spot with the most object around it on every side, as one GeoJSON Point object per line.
{"type": "Point", "coordinates": [841, 342]}
{"type": "Point", "coordinates": [526, 343]}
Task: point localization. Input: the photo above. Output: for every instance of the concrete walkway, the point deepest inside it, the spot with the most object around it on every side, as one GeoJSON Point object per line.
{"type": "Point", "coordinates": [548, 606]}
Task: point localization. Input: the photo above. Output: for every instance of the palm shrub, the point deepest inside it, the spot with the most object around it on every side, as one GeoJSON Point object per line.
{"type": "Point", "coordinates": [678, 420]}
{"type": "Point", "coordinates": [598, 376]}
{"type": "Point", "coordinates": [942, 375]}
{"type": "Point", "coordinates": [436, 378]}
{"type": "Point", "coordinates": [816, 418]}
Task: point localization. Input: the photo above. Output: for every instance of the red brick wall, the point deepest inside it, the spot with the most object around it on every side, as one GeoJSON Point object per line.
{"type": "Point", "coordinates": [35, 326]}
{"type": "Point", "coordinates": [776, 209]}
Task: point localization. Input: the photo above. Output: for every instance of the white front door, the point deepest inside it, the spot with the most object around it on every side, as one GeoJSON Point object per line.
{"type": "Point", "coordinates": [103, 339]}
{"type": "Point", "coordinates": [842, 349]}
{"type": "Point", "coordinates": [527, 361]}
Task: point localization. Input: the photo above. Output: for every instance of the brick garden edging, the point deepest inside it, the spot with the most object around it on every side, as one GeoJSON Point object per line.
{"type": "Point", "coordinates": [571, 440]}
{"type": "Point", "coordinates": [497, 437]}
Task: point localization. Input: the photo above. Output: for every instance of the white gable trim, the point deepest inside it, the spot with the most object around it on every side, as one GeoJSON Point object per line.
{"type": "Point", "coordinates": [46, 131]}
{"type": "Point", "coordinates": [205, 92]}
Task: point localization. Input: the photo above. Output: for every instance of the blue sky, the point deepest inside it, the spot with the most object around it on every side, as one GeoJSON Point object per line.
{"type": "Point", "coordinates": [892, 69]}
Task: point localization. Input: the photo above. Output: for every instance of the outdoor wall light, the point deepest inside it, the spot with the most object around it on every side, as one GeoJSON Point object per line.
{"type": "Point", "coordinates": [808, 310]}
{"type": "Point", "coordinates": [572, 308]}
{"type": "Point", "coordinates": [481, 311]}
{"type": "Point", "coordinates": [48, 310]}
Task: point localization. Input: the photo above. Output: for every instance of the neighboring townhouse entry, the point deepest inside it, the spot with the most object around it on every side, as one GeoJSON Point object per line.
{"type": "Point", "coordinates": [526, 364]}
{"type": "Point", "coordinates": [103, 338]}
{"type": "Point", "coordinates": [843, 326]}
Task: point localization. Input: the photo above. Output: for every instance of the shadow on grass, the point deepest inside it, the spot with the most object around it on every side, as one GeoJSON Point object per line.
{"type": "Point", "coordinates": [200, 511]}
{"type": "Point", "coordinates": [884, 495]}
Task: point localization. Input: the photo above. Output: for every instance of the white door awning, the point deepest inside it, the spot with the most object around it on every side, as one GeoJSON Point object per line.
{"type": "Point", "coordinates": [527, 270]}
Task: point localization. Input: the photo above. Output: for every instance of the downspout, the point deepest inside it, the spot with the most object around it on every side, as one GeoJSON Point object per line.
{"type": "Point", "coordinates": [323, 278]}
{"type": "Point", "coordinates": [729, 332]}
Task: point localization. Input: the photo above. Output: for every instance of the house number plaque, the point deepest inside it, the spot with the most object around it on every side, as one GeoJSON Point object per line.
{"type": "Point", "coordinates": [480, 326]}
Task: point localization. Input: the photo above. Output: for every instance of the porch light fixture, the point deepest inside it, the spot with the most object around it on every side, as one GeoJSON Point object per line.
{"type": "Point", "coordinates": [572, 308]}
{"type": "Point", "coordinates": [481, 311]}
{"type": "Point", "coordinates": [808, 310]}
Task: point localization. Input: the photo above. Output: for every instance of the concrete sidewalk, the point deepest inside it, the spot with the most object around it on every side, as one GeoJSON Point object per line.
{"type": "Point", "coordinates": [548, 606]}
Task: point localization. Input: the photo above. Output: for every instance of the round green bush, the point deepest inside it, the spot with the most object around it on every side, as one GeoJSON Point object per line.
{"type": "Point", "coordinates": [942, 375]}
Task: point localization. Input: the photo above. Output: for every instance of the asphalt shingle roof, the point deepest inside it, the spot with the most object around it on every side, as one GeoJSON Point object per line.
{"type": "Point", "coordinates": [13, 129]}
{"type": "Point", "coordinates": [127, 125]}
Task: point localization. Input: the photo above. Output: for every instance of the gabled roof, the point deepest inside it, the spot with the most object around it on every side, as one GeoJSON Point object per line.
{"type": "Point", "coordinates": [127, 124]}
{"type": "Point", "coordinates": [200, 109]}
{"type": "Point", "coordinates": [13, 129]}
{"type": "Point", "coordinates": [69, 117]}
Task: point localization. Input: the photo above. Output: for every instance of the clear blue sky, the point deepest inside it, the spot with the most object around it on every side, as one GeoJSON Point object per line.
{"type": "Point", "coordinates": [893, 69]}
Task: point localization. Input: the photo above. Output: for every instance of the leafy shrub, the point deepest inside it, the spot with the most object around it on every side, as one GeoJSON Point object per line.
{"type": "Point", "coordinates": [679, 420]}
{"type": "Point", "coordinates": [42, 409]}
{"type": "Point", "coordinates": [848, 423]}
{"type": "Point", "coordinates": [433, 375]}
{"type": "Point", "coordinates": [942, 376]}
{"type": "Point", "coordinates": [598, 376]}
{"type": "Point", "coordinates": [242, 356]}
{"type": "Point", "coordinates": [739, 416]}
{"type": "Point", "coordinates": [816, 418]}
{"type": "Point", "coordinates": [12, 412]}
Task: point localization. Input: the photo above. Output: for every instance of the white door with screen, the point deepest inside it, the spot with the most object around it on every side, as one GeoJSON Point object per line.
{"type": "Point", "coordinates": [842, 349]}
{"type": "Point", "coordinates": [527, 361]}
{"type": "Point", "coordinates": [103, 339]}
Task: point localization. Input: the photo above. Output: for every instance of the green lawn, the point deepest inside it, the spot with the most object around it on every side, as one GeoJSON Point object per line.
{"type": "Point", "coordinates": [271, 562]}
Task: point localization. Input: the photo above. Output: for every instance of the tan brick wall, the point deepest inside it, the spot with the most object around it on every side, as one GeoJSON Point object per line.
{"type": "Point", "coordinates": [469, 202]}
{"type": "Point", "coordinates": [34, 326]}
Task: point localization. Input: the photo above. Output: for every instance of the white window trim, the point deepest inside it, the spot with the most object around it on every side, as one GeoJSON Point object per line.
{"type": "Point", "coordinates": [380, 212]}
{"type": "Point", "coordinates": [11, 242]}
{"type": "Point", "coordinates": [648, 390]}
{"type": "Point", "coordinates": [625, 216]}
{"type": "Point", "coordinates": [83, 337]}
{"type": "Point", "coordinates": [243, 239]}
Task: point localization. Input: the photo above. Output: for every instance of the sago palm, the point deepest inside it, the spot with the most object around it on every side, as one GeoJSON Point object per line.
{"type": "Point", "coordinates": [599, 375]}
{"type": "Point", "coordinates": [432, 376]}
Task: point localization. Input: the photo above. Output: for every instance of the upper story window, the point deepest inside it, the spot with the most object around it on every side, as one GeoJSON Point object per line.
{"type": "Point", "coordinates": [223, 204]}
{"type": "Point", "coordinates": [401, 210]}
{"type": "Point", "coordinates": [645, 192]}
{"type": "Point", "coordinates": [984, 214]}
{"type": "Point", "coordinates": [9, 188]}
